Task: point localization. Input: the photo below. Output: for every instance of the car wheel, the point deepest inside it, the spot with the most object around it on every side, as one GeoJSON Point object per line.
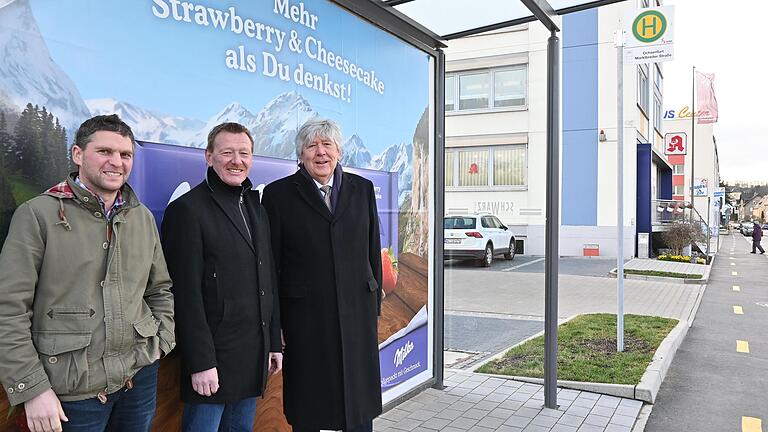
{"type": "Point", "coordinates": [488, 256]}
{"type": "Point", "coordinates": [511, 254]}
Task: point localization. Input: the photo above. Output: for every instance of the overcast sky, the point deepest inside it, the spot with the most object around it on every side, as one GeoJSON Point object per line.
{"type": "Point", "coordinates": [727, 39]}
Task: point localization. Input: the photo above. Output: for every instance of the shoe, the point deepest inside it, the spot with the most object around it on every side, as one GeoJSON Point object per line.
{"type": "Point", "coordinates": [762, 252]}
{"type": "Point", "coordinates": [752, 252]}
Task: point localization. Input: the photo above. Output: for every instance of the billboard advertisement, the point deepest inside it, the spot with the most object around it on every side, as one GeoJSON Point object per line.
{"type": "Point", "coordinates": [172, 70]}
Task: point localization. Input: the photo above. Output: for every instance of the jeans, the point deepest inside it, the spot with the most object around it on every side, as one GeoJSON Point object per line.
{"type": "Point", "coordinates": [126, 410]}
{"type": "Point", "coordinates": [231, 417]}
{"type": "Point", "coordinates": [756, 245]}
{"type": "Point", "coordinates": [365, 427]}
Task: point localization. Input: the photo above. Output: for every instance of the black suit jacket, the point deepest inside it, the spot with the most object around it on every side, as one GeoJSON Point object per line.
{"type": "Point", "coordinates": [226, 305]}
{"type": "Point", "coordinates": [329, 271]}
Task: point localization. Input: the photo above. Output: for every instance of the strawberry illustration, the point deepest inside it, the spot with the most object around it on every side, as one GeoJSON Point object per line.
{"type": "Point", "coordinates": [388, 270]}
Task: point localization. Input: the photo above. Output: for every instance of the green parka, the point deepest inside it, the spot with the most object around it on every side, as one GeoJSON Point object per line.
{"type": "Point", "coordinates": [84, 303]}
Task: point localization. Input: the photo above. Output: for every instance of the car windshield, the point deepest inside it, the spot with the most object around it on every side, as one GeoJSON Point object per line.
{"type": "Point", "coordinates": [459, 223]}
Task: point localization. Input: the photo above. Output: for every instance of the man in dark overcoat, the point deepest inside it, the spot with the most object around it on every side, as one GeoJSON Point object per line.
{"type": "Point", "coordinates": [325, 239]}
{"type": "Point", "coordinates": [217, 242]}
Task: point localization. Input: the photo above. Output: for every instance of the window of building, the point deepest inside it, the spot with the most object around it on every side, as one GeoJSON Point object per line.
{"type": "Point", "coordinates": [679, 190]}
{"type": "Point", "coordinates": [642, 88]}
{"type": "Point", "coordinates": [657, 113]}
{"type": "Point", "coordinates": [474, 91]}
{"type": "Point", "coordinates": [450, 93]}
{"type": "Point", "coordinates": [486, 167]}
{"type": "Point", "coordinates": [659, 80]}
{"type": "Point", "coordinates": [496, 88]}
{"type": "Point", "coordinates": [678, 169]}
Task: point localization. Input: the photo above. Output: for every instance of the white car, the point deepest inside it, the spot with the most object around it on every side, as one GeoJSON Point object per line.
{"type": "Point", "coordinates": [477, 236]}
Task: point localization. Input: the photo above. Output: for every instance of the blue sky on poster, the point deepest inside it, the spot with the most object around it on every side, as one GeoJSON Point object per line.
{"type": "Point", "coordinates": [177, 67]}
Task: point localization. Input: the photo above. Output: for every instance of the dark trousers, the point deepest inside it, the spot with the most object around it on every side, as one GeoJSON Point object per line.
{"type": "Point", "coordinates": [756, 245]}
{"type": "Point", "coordinates": [231, 417]}
{"type": "Point", "coordinates": [125, 410]}
{"type": "Point", "coordinates": [365, 427]}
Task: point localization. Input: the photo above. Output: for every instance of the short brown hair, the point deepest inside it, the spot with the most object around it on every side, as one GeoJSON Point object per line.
{"type": "Point", "coordinates": [108, 123]}
{"type": "Point", "coordinates": [230, 127]}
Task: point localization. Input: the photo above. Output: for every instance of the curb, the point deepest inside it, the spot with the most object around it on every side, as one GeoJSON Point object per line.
{"type": "Point", "coordinates": [686, 281]}
{"type": "Point", "coordinates": [646, 390]}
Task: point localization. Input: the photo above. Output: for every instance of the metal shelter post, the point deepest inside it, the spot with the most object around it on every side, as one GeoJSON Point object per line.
{"type": "Point", "coordinates": [439, 318]}
{"type": "Point", "coordinates": [551, 233]}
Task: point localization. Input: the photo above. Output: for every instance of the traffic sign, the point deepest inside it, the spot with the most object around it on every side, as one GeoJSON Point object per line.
{"type": "Point", "coordinates": [649, 32]}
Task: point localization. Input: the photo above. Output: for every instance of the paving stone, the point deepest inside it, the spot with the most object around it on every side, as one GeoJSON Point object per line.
{"type": "Point", "coordinates": [589, 395]}
{"type": "Point", "coordinates": [480, 429]}
{"type": "Point", "coordinates": [535, 428]}
{"type": "Point", "coordinates": [502, 413]}
{"type": "Point", "coordinates": [549, 412]}
{"type": "Point", "coordinates": [453, 429]}
{"type": "Point", "coordinates": [535, 404]}
{"type": "Point", "coordinates": [617, 428]}
{"type": "Point", "coordinates": [622, 420]}
{"type": "Point", "coordinates": [568, 394]}
{"type": "Point", "coordinates": [487, 405]}
{"type": "Point", "coordinates": [421, 429]}
{"type": "Point", "coordinates": [506, 428]}
{"type": "Point", "coordinates": [578, 411]}
{"type": "Point", "coordinates": [563, 428]}
{"type": "Point", "coordinates": [529, 388]}
{"type": "Point", "coordinates": [410, 405]}
{"type": "Point", "coordinates": [396, 414]}
{"type": "Point", "coordinates": [584, 402]}
{"type": "Point", "coordinates": [608, 401]}
{"type": "Point", "coordinates": [459, 391]}
{"type": "Point", "coordinates": [468, 384]}
{"type": "Point", "coordinates": [436, 406]}
{"type": "Point", "coordinates": [473, 397]}
{"type": "Point", "coordinates": [597, 420]}
{"type": "Point", "coordinates": [449, 414]}
{"type": "Point", "coordinates": [511, 404]}
{"type": "Point", "coordinates": [518, 421]}
{"type": "Point", "coordinates": [590, 428]}
{"type": "Point", "coordinates": [422, 415]}
{"type": "Point", "coordinates": [504, 390]}
{"type": "Point", "coordinates": [491, 422]}
{"type": "Point", "coordinates": [603, 411]}
{"type": "Point", "coordinates": [436, 423]}
{"type": "Point", "coordinates": [485, 391]}
{"type": "Point", "coordinates": [462, 405]}
{"type": "Point", "coordinates": [518, 396]}
{"type": "Point", "coordinates": [631, 403]}
{"type": "Point", "coordinates": [463, 423]}
{"type": "Point", "coordinates": [571, 420]}
{"type": "Point", "coordinates": [382, 423]}
{"type": "Point", "coordinates": [448, 398]}
{"type": "Point", "coordinates": [541, 420]}
{"type": "Point", "coordinates": [407, 424]}
{"type": "Point", "coordinates": [475, 413]}
{"type": "Point", "coordinates": [627, 411]}
{"type": "Point", "coordinates": [497, 396]}
{"type": "Point", "coordinates": [527, 412]}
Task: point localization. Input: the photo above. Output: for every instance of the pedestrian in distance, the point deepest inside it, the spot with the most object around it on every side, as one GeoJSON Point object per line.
{"type": "Point", "coordinates": [757, 236]}
{"type": "Point", "coordinates": [217, 241]}
{"type": "Point", "coordinates": [325, 237]}
{"type": "Point", "coordinates": [85, 300]}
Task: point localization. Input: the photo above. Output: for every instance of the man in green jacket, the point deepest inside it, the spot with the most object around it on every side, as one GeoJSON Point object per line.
{"type": "Point", "coordinates": [85, 303]}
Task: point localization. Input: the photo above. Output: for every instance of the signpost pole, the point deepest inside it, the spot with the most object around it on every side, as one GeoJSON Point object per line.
{"type": "Point", "coordinates": [620, 191]}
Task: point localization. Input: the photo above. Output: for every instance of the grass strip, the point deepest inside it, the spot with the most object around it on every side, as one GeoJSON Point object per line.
{"type": "Point", "coordinates": [587, 350]}
{"type": "Point", "coordinates": [662, 273]}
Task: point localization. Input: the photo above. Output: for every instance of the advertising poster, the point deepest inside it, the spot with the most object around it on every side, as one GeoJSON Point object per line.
{"type": "Point", "coordinates": [174, 69]}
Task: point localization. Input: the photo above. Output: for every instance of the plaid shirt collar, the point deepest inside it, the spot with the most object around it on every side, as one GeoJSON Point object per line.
{"type": "Point", "coordinates": [119, 201]}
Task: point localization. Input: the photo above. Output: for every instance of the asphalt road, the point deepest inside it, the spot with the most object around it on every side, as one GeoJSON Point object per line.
{"type": "Point", "coordinates": [578, 266]}
{"type": "Point", "coordinates": [710, 386]}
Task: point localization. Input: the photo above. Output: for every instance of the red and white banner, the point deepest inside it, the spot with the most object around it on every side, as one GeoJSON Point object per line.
{"type": "Point", "coordinates": [706, 108]}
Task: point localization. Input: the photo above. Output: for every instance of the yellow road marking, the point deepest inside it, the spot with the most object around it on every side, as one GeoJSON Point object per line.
{"type": "Point", "coordinates": [734, 273]}
{"type": "Point", "coordinates": [751, 424]}
{"type": "Point", "coordinates": [742, 346]}
{"type": "Point", "coordinates": [736, 288]}
{"type": "Point", "coordinates": [738, 310]}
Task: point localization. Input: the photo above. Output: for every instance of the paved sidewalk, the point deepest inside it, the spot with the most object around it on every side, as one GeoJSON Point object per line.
{"type": "Point", "coordinates": [667, 266]}
{"type": "Point", "coordinates": [481, 403]}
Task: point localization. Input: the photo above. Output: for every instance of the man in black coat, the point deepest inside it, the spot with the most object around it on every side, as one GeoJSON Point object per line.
{"type": "Point", "coordinates": [325, 238]}
{"type": "Point", "coordinates": [216, 240]}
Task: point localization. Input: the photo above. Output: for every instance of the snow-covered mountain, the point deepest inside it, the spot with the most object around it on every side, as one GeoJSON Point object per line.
{"type": "Point", "coordinates": [29, 74]}
{"type": "Point", "coordinates": [234, 112]}
{"type": "Point", "coordinates": [148, 125]}
{"type": "Point", "coordinates": [355, 154]}
{"type": "Point", "coordinates": [277, 124]}
{"type": "Point", "coordinates": [397, 158]}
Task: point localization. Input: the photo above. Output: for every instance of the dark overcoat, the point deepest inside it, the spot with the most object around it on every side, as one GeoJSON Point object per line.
{"type": "Point", "coordinates": [329, 272]}
{"type": "Point", "coordinates": [226, 304]}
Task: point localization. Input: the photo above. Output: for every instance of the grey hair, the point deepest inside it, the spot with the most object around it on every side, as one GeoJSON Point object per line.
{"type": "Point", "coordinates": [317, 128]}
